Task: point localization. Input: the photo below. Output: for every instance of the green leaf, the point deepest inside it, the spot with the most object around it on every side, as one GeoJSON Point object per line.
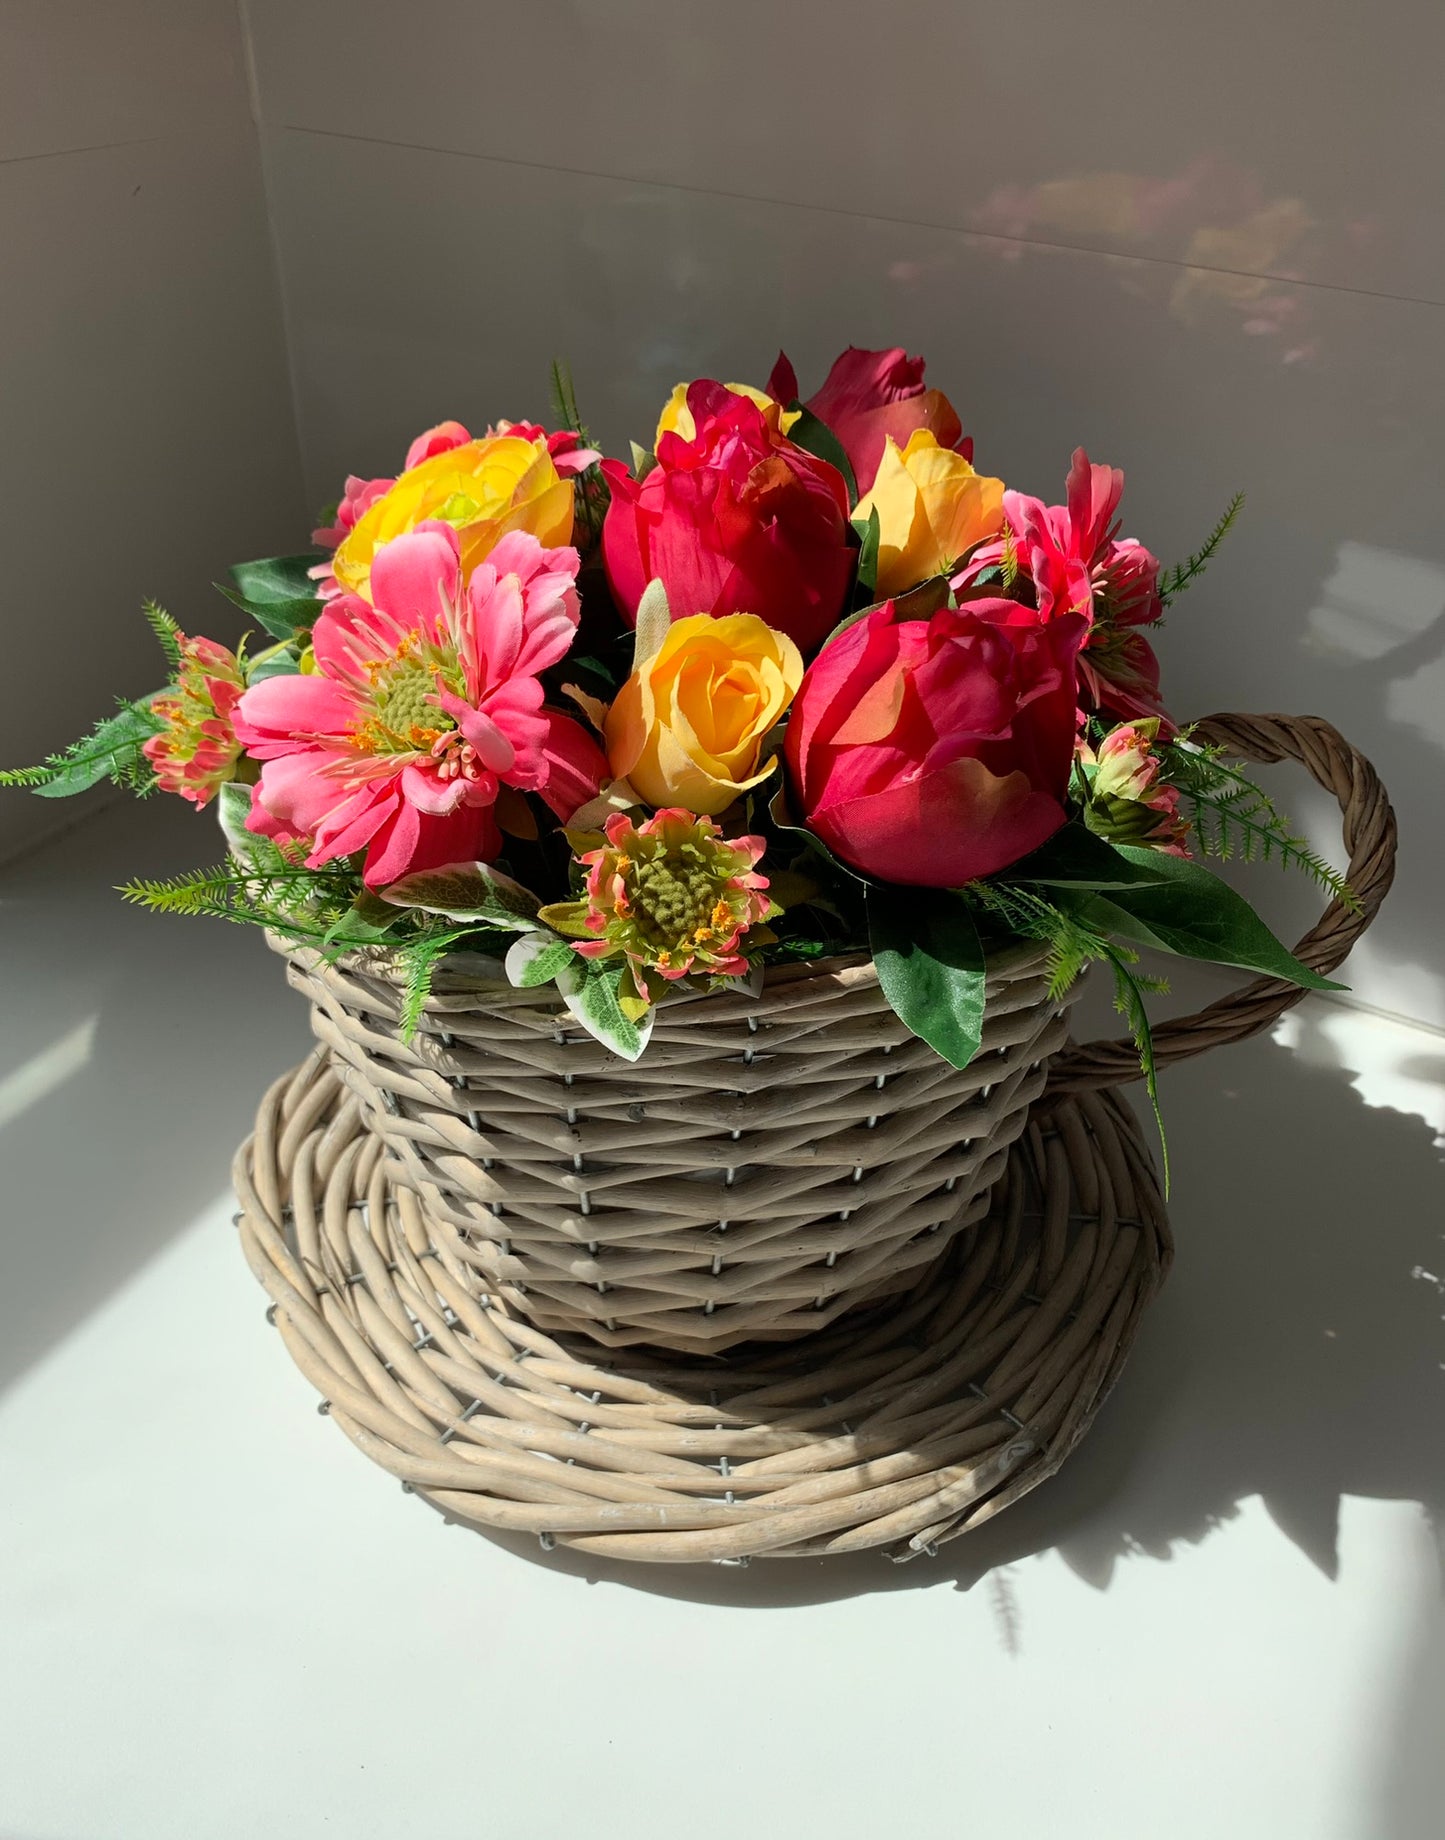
{"type": "Point", "coordinates": [278, 592]}
{"type": "Point", "coordinates": [535, 959]}
{"type": "Point", "coordinates": [781, 813]}
{"type": "Point", "coordinates": [467, 891]}
{"type": "Point", "coordinates": [111, 751]}
{"type": "Point", "coordinates": [276, 661]}
{"type": "Point", "coordinates": [818, 439]}
{"type": "Point", "coordinates": [1075, 858]}
{"type": "Point", "coordinates": [1193, 914]}
{"type": "Point", "coordinates": [233, 807]}
{"type": "Point", "coordinates": [369, 921]}
{"type": "Point", "coordinates": [650, 623]}
{"type": "Point", "coordinates": [920, 603]}
{"type": "Point", "coordinates": [930, 966]}
{"type": "Point", "coordinates": [868, 533]}
{"type": "Point", "coordinates": [590, 990]}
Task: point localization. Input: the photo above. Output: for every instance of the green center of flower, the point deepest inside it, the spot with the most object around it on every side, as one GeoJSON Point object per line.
{"type": "Point", "coordinates": [675, 895]}
{"type": "Point", "coordinates": [405, 715]}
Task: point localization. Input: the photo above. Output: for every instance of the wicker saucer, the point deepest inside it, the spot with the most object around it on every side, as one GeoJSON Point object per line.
{"type": "Point", "coordinates": [900, 1426]}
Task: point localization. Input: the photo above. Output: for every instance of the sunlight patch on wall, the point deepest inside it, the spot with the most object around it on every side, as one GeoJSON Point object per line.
{"type": "Point", "coordinates": [1386, 612]}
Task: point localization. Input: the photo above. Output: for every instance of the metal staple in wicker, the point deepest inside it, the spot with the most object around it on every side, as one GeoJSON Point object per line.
{"type": "Point", "coordinates": [771, 1162]}
{"type": "Point", "coordinates": [900, 1428]}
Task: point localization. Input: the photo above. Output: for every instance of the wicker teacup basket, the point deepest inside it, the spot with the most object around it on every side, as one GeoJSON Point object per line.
{"type": "Point", "coordinates": [772, 1161]}
{"type": "Point", "coordinates": [518, 1270]}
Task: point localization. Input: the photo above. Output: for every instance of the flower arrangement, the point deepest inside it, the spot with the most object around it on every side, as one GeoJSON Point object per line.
{"type": "Point", "coordinates": [797, 681]}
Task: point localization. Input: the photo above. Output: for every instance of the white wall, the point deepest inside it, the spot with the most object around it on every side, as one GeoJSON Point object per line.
{"type": "Point", "coordinates": [146, 431]}
{"type": "Point", "coordinates": [1205, 241]}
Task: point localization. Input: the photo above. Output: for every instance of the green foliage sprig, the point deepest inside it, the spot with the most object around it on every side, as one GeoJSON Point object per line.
{"type": "Point", "coordinates": [318, 908]}
{"type": "Point", "coordinates": [1173, 582]}
{"type": "Point", "coordinates": [1233, 817]}
{"type": "Point", "coordinates": [111, 751]}
{"type": "Point", "coordinates": [168, 634]}
{"type": "Point", "coordinates": [1073, 945]}
{"type": "Point", "coordinates": [591, 495]}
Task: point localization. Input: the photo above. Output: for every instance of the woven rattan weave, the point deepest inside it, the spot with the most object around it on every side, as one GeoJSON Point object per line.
{"type": "Point", "coordinates": [452, 1236]}
{"type": "Point", "coordinates": [771, 1161]}
{"type": "Point", "coordinates": [900, 1427]}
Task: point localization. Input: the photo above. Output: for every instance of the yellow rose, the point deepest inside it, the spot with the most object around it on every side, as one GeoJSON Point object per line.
{"type": "Point", "coordinates": [931, 507]}
{"type": "Point", "coordinates": [484, 489]}
{"type": "Point", "coordinates": [677, 418]}
{"type": "Point", "coordinates": [688, 726]}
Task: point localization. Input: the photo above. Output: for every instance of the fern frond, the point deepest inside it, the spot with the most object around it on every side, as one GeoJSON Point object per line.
{"type": "Point", "coordinates": [168, 634]}
{"type": "Point", "coordinates": [1072, 945]}
{"type": "Point", "coordinates": [112, 750]}
{"type": "Point", "coordinates": [564, 400]}
{"type": "Point", "coordinates": [417, 961]}
{"type": "Point", "coordinates": [1173, 582]}
{"type": "Point", "coordinates": [1129, 989]}
{"type": "Point", "coordinates": [1009, 566]}
{"type": "Point", "coordinates": [228, 892]}
{"type": "Point", "coordinates": [1233, 817]}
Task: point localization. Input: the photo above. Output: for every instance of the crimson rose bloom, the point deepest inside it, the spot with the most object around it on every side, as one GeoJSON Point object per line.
{"type": "Point", "coordinates": [869, 395]}
{"type": "Point", "coordinates": [737, 520]}
{"type": "Point", "coordinates": [937, 751]}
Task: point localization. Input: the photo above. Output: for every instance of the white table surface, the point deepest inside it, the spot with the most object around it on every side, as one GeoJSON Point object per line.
{"type": "Point", "coordinates": [218, 1620]}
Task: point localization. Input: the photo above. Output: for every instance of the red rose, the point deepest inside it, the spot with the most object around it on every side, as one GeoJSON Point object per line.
{"type": "Point", "coordinates": [937, 751]}
{"type": "Point", "coordinates": [869, 395]}
{"type": "Point", "coordinates": [736, 520]}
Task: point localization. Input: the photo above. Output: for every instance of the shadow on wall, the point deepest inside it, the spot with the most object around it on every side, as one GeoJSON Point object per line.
{"type": "Point", "coordinates": [1295, 1355]}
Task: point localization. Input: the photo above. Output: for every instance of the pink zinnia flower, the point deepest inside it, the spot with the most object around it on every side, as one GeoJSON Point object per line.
{"type": "Point", "coordinates": [197, 752]}
{"type": "Point", "coordinates": [1072, 560]}
{"type": "Point", "coordinates": [672, 897]}
{"type": "Point", "coordinates": [422, 706]}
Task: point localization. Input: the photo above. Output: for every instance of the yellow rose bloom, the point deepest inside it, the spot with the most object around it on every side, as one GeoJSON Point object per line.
{"type": "Point", "coordinates": [688, 727]}
{"type": "Point", "coordinates": [677, 418]}
{"type": "Point", "coordinates": [483, 489]}
{"type": "Point", "coordinates": [931, 507]}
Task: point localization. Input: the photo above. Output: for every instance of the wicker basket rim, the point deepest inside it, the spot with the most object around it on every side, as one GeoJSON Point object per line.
{"type": "Point", "coordinates": [461, 971]}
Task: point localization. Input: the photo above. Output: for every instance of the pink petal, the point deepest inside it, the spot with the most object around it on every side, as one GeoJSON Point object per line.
{"type": "Point", "coordinates": [494, 749]}
{"type": "Point", "coordinates": [429, 793]}
{"type": "Point", "coordinates": [439, 440]}
{"type": "Point", "coordinates": [279, 712]}
{"type": "Point", "coordinates": [297, 789]}
{"type": "Point", "coordinates": [575, 766]}
{"type": "Point", "coordinates": [414, 578]}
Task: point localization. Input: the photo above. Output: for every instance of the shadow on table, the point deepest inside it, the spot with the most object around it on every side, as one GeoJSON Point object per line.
{"type": "Point", "coordinates": [1295, 1354]}
{"type": "Point", "coordinates": [134, 1051]}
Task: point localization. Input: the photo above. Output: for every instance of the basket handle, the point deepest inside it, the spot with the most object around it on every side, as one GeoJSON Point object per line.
{"type": "Point", "coordinates": [1369, 833]}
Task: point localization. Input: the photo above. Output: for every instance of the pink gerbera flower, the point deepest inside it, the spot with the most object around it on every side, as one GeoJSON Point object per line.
{"type": "Point", "coordinates": [422, 707]}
